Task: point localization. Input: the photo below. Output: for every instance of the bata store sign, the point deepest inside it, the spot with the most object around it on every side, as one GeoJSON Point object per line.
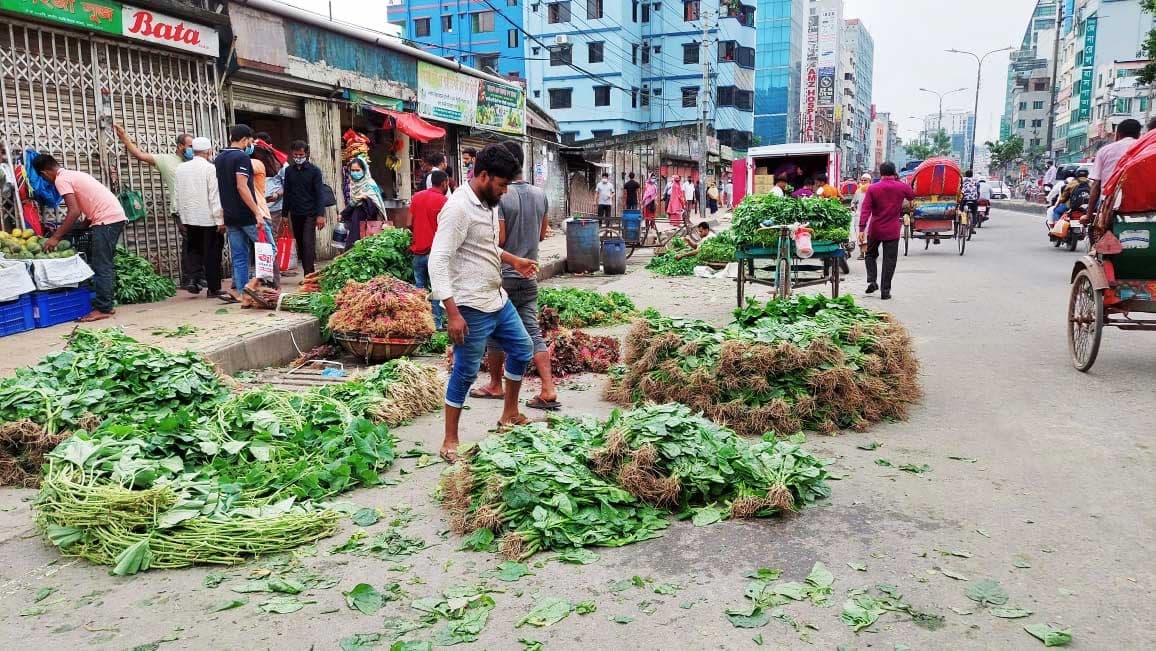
{"type": "Point", "coordinates": [116, 19]}
{"type": "Point", "coordinates": [159, 29]}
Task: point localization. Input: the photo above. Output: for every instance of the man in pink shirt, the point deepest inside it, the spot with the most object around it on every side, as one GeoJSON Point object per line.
{"type": "Point", "coordinates": [881, 222]}
{"type": "Point", "coordinates": [1109, 155]}
{"type": "Point", "coordinates": [84, 195]}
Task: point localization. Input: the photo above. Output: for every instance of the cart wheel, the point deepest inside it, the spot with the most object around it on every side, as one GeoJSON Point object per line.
{"type": "Point", "coordinates": [742, 281]}
{"type": "Point", "coordinates": [783, 279]}
{"type": "Point", "coordinates": [836, 263]}
{"type": "Point", "coordinates": [906, 238]}
{"type": "Point", "coordinates": [1085, 321]}
{"type": "Point", "coordinates": [927, 241]}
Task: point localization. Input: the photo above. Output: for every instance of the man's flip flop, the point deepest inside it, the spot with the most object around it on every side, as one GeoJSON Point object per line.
{"type": "Point", "coordinates": [520, 419]}
{"type": "Point", "coordinates": [545, 405]}
{"type": "Point", "coordinates": [485, 395]}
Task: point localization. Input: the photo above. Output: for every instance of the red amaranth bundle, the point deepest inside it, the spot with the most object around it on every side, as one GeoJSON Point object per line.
{"type": "Point", "coordinates": [383, 307]}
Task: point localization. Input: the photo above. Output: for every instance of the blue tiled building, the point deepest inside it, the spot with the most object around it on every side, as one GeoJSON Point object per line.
{"type": "Point", "coordinates": [778, 66]}
{"type": "Point", "coordinates": [482, 34]}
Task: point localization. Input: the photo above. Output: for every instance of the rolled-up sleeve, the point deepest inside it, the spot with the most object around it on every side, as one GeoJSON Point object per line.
{"type": "Point", "coordinates": [451, 232]}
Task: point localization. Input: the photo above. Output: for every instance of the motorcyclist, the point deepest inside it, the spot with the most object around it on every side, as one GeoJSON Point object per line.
{"type": "Point", "coordinates": [1074, 196]}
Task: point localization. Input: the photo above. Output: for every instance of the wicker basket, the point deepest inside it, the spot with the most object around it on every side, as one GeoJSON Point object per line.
{"type": "Point", "coordinates": [375, 350]}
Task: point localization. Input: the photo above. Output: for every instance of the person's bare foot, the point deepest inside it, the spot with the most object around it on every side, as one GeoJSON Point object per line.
{"type": "Point", "coordinates": [95, 315]}
{"type": "Point", "coordinates": [449, 454]}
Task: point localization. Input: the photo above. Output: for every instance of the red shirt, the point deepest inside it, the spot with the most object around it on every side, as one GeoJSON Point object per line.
{"type": "Point", "coordinates": [424, 208]}
{"type": "Point", "coordinates": [881, 214]}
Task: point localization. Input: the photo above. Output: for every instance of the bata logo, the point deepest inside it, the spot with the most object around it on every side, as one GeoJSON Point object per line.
{"type": "Point", "coordinates": [157, 28]}
{"type": "Point", "coordinates": [147, 24]}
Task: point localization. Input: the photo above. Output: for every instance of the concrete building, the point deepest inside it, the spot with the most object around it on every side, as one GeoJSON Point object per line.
{"type": "Point", "coordinates": [1095, 35]}
{"type": "Point", "coordinates": [856, 120]}
{"type": "Point", "coordinates": [1117, 98]}
{"type": "Point", "coordinates": [484, 36]}
{"type": "Point", "coordinates": [779, 33]}
{"type": "Point", "coordinates": [1029, 79]}
{"type": "Point", "coordinates": [608, 68]}
{"type": "Point", "coordinates": [958, 124]}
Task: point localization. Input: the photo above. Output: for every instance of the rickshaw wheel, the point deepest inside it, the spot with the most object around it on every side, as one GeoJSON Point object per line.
{"type": "Point", "coordinates": [906, 237]}
{"type": "Point", "coordinates": [1085, 321]}
{"type": "Point", "coordinates": [962, 234]}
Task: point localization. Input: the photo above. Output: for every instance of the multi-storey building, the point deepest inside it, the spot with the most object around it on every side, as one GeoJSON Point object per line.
{"type": "Point", "coordinates": [482, 34]}
{"type": "Point", "coordinates": [1029, 78]}
{"type": "Point", "coordinates": [822, 83]}
{"type": "Point", "coordinates": [1118, 97]}
{"type": "Point", "coordinates": [958, 125]}
{"type": "Point", "coordinates": [855, 123]}
{"type": "Point", "coordinates": [779, 27]}
{"type": "Point", "coordinates": [608, 68]}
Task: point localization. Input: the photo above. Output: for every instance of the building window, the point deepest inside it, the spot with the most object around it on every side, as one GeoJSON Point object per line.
{"type": "Point", "coordinates": [1039, 85]}
{"type": "Point", "coordinates": [690, 52]}
{"type": "Point", "coordinates": [486, 62]}
{"type": "Point", "coordinates": [645, 54]}
{"type": "Point", "coordinates": [482, 22]}
{"type": "Point", "coordinates": [634, 11]}
{"type": "Point", "coordinates": [560, 97]}
{"type": "Point", "coordinates": [1037, 123]}
{"type": "Point", "coordinates": [1037, 105]}
{"type": "Point", "coordinates": [594, 51]}
{"type": "Point", "coordinates": [569, 137]}
{"type": "Point", "coordinates": [727, 51]}
{"type": "Point", "coordinates": [725, 96]}
{"type": "Point", "coordinates": [746, 57]}
{"type": "Point", "coordinates": [561, 55]}
{"type": "Point", "coordinates": [645, 99]}
{"type": "Point", "coordinates": [511, 3]}
{"type": "Point", "coordinates": [690, 10]}
{"type": "Point", "coordinates": [689, 96]}
{"type": "Point", "coordinates": [602, 96]}
{"type": "Point", "coordinates": [1035, 142]}
{"type": "Point", "coordinates": [601, 134]}
{"type": "Point", "coordinates": [559, 12]}
{"type": "Point", "coordinates": [633, 98]}
{"type": "Point", "coordinates": [658, 92]}
{"type": "Point", "coordinates": [448, 23]}
{"type": "Point", "coordinates": [593, 9]}
{"type": "Point", "coordinates": [646, 12]}
{"type": "Point", "coordinates": [634, 54]}
{"type": "Point", "coordinates": [1020, 124]}
{"type": "Point", "coordinates": [513, 38]}
{"type": "Point", "coordinates": [1023, 106]}
{"type": "Point", "coordinates": [421, 27]}
{"type": "Point", "coordinates": [745, 100]}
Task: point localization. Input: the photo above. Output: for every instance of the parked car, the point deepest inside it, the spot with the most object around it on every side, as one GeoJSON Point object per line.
{"type": "Point", "coordinates": [998, 190]}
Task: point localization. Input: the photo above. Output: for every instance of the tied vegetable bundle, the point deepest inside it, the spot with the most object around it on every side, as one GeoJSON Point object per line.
{"type": "Point", "coordinates": [575, 351]}
{"type": "Point", "coordinates": [720, 248]}
{"type": "Point", "coordinates": [669, 264]}
{"type": "Point", "coordinates": [808, 362]}
{"type": "Point", "coordinates": [386, 253]}
{"type": "Point", "coordinates": [138, 282]}
{"type": "Point", "coordinates": [828, 219]}
{"type": "Point", "coordinates": [669, 457]}
{"type": "Point", "coordinates": [383, 307]}
{"type": "Point", "coordinates": [584, 308]}
{"type": "Point", "coordinates": [245, 479]}
{"type": "Point", "coordinates": [588, 483]}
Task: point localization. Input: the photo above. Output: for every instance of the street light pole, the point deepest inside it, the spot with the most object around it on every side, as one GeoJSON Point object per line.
{"type": "Point", "coordinates": [978, 78]}
{"type": "Point", "coordinates": [939, 124]}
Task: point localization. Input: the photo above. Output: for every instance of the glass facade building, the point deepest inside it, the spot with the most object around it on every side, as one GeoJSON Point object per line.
{"type": "Point", "coordinates": [779, 31]}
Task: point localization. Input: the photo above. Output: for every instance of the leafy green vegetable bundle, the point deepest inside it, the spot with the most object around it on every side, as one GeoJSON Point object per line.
{"type": "Point", "coordinates": [583, 483]}
{"type": "Point", "coordinates": [583, 308]}
{"type": "Point", "coordinates": [246, 479]}
{"type": "Point", "coordinates": [670, 457]}
{"type": "Point", "coordinates": [720, 248]}
{"type": "Point", "coordinates": [829, 219]}
{"type": "Point", "coordinates": [530, 489]}
{"type": "Point", "coordinates": [386, 253]}
{"type": "Point", "coordinates": [668, 264]}
{"type": "Point", "coordinates": [138, 282]}
{"type": "Point", "coordinates": [808, 362]}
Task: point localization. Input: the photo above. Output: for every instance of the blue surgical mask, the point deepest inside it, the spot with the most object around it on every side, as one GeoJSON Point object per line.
{"type": "Point", "coordinates": [249, 150]}
{"type": "Point", "coordinates": [357, 176]}
{"type": "Point", "coordinates": [188, 153]}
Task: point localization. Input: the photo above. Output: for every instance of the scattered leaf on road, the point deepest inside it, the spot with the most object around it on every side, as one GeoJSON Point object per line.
{"type": "Point", "coordinates": [585, 607]}
{"type": "Point", "coordinates": [983, 532]}
{"type": "Point", "coordinates": [859, 567]}
{"type": "Point", "coordinates": [953, 575]}
{"type": "Point", "coordinates": [962, 611]}
{"type": "Point", "coordinates": [915, 469]}
{"type": "Point", "coordinates": [44, 593]}
{"type": "Point", "coordinates": [884, 462]}
{"type": "Point", "coordinates": [752, 617]}
{"type": "Point", "coordinates": [961, 553]}
{"type": "Point", "coordinates": [1008, 612]}
{"type": "Point", "coordinates": [1021, 563]}
{"type": "Point", "coordinates": [872, 445]}
{"type": "Point", "coordinates": [1050, 635]}
{"type": "Point", "coordinates": [986, 591]}
{"type": "Point", "coordinates": [511, 571]}
{"type": "Point", "coordinates": [366, 517]}
{"type": "Point", "coordinates": [707, 515]}
{"type": "Point", "coordinates": [622, 619]}
{"type": "Point", "coordinates": [964, 459]}
{"type": "Point", "coordinates": [666, 588]}
{"type": "Point", "coordinates": [229, 605]}
{"type": "Point", "coordinates": [548, 611]}
{"type": "Point", "coordinates": [281, 605]}
{"type": "Point", "coordinates": [365, 599]}
{"type": "Point", "coordinates": [577, 556]}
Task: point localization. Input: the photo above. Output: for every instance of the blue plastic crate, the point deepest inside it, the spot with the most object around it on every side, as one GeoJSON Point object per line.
{"type": "Point", "coordinates": [17, 316]}
{"type": "Point", "coordinates": [61, 305]}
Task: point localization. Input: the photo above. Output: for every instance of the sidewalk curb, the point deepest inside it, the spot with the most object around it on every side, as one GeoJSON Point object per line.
{"type": "Point", "coordinates": [1019, 206]}
{"type": "Point", "coordinates": [273, 346]}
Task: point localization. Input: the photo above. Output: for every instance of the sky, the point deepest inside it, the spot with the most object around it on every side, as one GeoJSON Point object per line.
{"type": "Point", "coordinates": [910, 38]}
{"type": "Point", "coordinates": [366, 13]}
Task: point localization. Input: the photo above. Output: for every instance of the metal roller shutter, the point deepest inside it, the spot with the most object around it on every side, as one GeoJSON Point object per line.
{"type": "Point", "coordinates": [60, 91]}
{"type": "Point", "coordinates": [248, 97]}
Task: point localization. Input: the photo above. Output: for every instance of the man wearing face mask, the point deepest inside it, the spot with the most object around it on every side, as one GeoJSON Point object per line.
{"type": "Point", "coordinates": [302, 203]}
{"type": "Point", "coordinates": [465, 267]}
{"type": "Point", "coordinates": [166, 165]}
{"type": "Point", "coordinates": [242, 216]}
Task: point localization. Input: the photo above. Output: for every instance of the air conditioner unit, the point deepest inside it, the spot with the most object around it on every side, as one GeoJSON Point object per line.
{"type": "Point", "coordinates": [562, 39]}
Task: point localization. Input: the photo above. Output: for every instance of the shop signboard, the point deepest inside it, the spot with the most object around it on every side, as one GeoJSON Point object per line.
{"type": "Point", "coordinates": [501, 107]}
{"type": "Point", "coordinates": [120, 20]}
{"type": "Point", "coordinates": [1085, 111]}
{"type": "Point", "coordinates": [446, 95]}
{"type": "Point", "coordinates": [84, 14]}
{"type": "Point", "coordinates": [826, 87]}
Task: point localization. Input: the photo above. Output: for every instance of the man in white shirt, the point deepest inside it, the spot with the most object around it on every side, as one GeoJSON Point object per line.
{"type": "Point", "coordinates": [1106, 160]}
{"type": "Point", "coordinates": [465, 267]}
{"type": "Point", "coordinates": [605, 193]}
{"type": "Point", "coordinates": [198, 203]}
{"type": "Point", "coordinates": [688, 187]}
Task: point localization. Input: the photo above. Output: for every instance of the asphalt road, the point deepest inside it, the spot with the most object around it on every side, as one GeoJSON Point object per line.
{"type": "Point", "coordinates": [1057, 505]}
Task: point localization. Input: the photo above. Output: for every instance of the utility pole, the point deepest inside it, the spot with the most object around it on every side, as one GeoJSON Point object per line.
{"type": "Point", "coordinates": [1055, 77]}
{"type": "Point", "coordinates": [704, 100]}
{"type": "Point", "coordinates": [939, 124]}
{"type": "Point", "coordinates": [978, 78]}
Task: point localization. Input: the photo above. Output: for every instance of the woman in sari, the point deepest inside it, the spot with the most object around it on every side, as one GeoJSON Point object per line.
{"type": "Point", "coordinates": [650, 200]}
{"type": "Point", "coordinates": [676, 202]}
{"type": "Point", "coordinates": [365, 202]}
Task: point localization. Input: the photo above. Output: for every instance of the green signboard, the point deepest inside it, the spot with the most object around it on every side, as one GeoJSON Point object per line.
{"type": "Point", "coordinates": [96, 15]}
{"type": "Point", "coordinates": [501, 107]}
{"type": "Point", "coordinates": [1086, 82]}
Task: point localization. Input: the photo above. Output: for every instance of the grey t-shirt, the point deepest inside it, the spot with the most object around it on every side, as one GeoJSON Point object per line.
{"type": "Point", "coordinates": [522, 208]}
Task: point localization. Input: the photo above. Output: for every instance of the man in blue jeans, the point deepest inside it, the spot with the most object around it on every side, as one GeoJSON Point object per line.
{"type": "Point", "coordinates": [238, 204]}
{"type": "Point", "coordinates": [465, 266]}
{"type": "Point", "coordinates": [424, 209]}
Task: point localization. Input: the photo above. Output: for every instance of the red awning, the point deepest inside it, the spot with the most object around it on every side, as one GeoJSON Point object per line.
{"type": "Point", "coordinates": [412, 125]}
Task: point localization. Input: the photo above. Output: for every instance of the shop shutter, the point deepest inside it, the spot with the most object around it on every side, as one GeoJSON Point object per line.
{"type": "Point", "coordinates": [60, 92]}
{"type": "Point", "coordinates": [249, 97]}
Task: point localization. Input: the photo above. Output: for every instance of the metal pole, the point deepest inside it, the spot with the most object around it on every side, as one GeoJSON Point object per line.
{"type": "Point", "coordinates": [1055, 75]}
{"type": "Point", "coordinates": [704, 95]}
{"type": "Point", "coordinates": [975, 114]}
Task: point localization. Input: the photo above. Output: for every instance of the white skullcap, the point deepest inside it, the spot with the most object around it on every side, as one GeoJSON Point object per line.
{"type": "Point", "coordinates": [202, 144]}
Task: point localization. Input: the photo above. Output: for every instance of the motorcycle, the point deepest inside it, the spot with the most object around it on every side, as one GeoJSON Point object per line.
{"type": "Point", "coordinates": [1072, 227]}
{"type": "Point", "coordinates": [983, 212]}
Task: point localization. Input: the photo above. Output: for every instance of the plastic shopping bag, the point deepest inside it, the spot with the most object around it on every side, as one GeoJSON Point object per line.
{"type": "Point", "coordinates": [266, 254]}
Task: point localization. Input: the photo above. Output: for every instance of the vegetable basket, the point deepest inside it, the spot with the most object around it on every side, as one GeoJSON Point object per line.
{"type": "Point", "coordinates": [375, 350]}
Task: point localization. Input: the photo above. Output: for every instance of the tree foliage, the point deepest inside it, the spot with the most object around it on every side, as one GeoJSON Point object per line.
{"type": "Point", "coordinates": [940, 145]}
{"type": "Point", "coordinates": [1148, 73]}
{"type": "Point", "coordinates": [1005, 152]}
